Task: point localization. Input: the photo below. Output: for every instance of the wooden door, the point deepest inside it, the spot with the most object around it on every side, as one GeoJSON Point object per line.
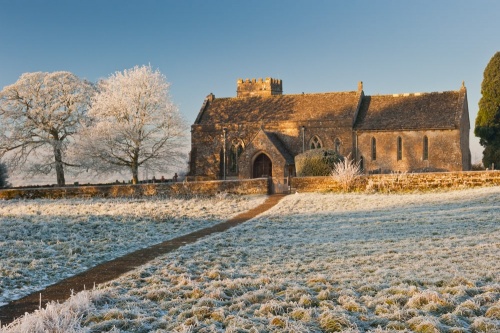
{"type": "Point", "coordinates": [262, 167]}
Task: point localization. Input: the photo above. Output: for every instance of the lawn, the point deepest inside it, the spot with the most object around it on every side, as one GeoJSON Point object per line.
{"type": "Point", "coordinates": [316, 263]}
{"type": "Point", "coordinates": [44, 241]}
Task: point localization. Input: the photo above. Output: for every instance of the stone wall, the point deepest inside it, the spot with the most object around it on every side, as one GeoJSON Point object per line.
{"type": "Point", "coordinates": [401, 182]}
{"type": "Point", "coordinates": [385, 183]}
{"type": "Point", "coordinates": [261, 145]}
{"type": "Point", "coordinates": [444, 151]}
{"type": "Point", "coordinates": [259, 87]}
{"type": "Point", "coordinates": [253, 186]}
{"type": "Point", "coordinates": [464, 138]}
{"type": "Point", "coordinates": [207, 143]}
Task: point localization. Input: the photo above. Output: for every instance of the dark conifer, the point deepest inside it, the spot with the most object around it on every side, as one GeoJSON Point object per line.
{"type": "Point", "coordinates": [3, 176]}
{"type": "Point", "coordinates": [488, 118]}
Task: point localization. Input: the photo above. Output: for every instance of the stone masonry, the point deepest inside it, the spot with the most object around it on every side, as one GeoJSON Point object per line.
{"type": "Point", "coordinates": [260, 131]}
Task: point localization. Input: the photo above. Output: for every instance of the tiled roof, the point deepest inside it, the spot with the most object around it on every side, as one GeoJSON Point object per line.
{"type": "Point", "coordinates": [411, 111]}
{"type": "Point", "coordinates": [281, 147]}
{"type": "Point", "coordinates": [339, 106]}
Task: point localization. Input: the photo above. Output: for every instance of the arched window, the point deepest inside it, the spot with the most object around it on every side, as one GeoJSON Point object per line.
{"type": "Point", "coordinates": [374, 149]}
{"type": "Point", "coordinates": [315, 143]}
{"type": "Point", "coordinates": [337, 145]}
{"type": "Point", "coordinates": [234, 153]}
{"type": "Point", "coordinates": [400, 149]}
{"type": "Point", "coordinates": [425, 150]}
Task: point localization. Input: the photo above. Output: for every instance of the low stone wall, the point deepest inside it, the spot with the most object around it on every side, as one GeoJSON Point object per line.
{"type": "Point", "coordinates": [401, 182]}
{"type": "Point", "coordinates": [250, 186]}
{"type": "Point", "coordinates": [385, 183]}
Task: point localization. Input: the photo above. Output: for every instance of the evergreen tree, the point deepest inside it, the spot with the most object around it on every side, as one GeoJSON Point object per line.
{"type": "Point", "coordinates": [488, 117]}
{"type": "Point", "coordinates": [3, 176]}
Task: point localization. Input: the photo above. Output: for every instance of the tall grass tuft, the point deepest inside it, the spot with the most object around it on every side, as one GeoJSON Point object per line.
{"type": "Point", "coordinates": [55, 317]}
{"type": "Point", "coordinates": [346, 172]}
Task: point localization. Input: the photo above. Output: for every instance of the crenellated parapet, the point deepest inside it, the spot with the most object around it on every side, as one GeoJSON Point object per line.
{"type": "Point", "coordinates": [259, 87]}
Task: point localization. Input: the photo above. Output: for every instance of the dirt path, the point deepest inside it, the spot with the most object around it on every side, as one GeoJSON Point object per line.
{"type": "Point", "coordinates": [112, 269]}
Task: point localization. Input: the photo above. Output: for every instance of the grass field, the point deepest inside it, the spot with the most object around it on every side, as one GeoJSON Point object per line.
{"type": "Point", "coordinates": [315, 263]}
{"type": "Point", "coordinates": [44, 241]}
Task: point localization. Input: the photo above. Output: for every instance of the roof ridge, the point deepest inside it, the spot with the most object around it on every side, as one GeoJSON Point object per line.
{"type": "Point", "coordinates": [298, 94]}
{"type": "Point", "coordinates": [414, 94]}
{"type": "Point", "coordinates": [324, 93]}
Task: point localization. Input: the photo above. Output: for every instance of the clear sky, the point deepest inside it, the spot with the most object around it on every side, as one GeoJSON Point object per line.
{"type": "Point", "coordinates": [393, 46]}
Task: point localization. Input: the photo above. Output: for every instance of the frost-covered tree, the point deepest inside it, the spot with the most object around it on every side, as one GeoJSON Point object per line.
{"type": "Point", "coordinates": [488, 117]}
{"type": "Point", "coordinates": [133, 124]}
{"type": "Point", "coordinates": [39, 114]}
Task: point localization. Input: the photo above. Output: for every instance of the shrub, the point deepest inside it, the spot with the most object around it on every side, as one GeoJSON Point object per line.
{"type": "Point", "coordinates": [316, 162]}
{"type": "Point", "coordinates": [345, 172]}
{"type": "Point", "coordinates": [477, 167]}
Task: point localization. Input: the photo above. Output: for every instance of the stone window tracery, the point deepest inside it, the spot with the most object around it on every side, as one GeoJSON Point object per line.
{"type": "Point", "coordinates": [234, 154]}
{"type": "Point", "coordinates": [315, 143]}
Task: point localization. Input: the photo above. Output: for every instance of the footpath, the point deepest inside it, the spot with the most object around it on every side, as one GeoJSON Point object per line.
{"type": "Point", "coordinates": [110, 270]}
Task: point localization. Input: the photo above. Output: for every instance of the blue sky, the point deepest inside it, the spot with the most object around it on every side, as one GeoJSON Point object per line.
{"type": "Point", "coordinates": [205, 46]}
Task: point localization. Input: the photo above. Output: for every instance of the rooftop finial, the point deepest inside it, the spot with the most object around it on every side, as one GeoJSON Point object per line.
{"type": "Point", "coordinates": [360, 86]}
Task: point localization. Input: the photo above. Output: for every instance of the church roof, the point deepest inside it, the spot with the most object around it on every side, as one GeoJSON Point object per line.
{"type": "Point", "coordinates": [275, 140]}
{"type": "Point", "coordinates": [411, 111]}
{"type": "Point", "coordinates": [338, 106]}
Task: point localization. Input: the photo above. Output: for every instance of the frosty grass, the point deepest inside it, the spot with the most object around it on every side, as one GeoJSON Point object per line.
{"type": "Point", "coordinates": [314, 263]}
{"type": "Point", "coordinates": [44, 241]}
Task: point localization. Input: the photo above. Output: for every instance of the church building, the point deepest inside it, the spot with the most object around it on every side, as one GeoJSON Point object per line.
{"type": "Point", "coordinates": [260, 131]}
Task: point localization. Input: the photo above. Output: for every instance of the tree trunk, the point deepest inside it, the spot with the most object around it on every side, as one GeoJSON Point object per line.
{"type": "Point", "coordinates": [135, 176]}
{"type": "Point", "coordinates": [134, 166]}
{"type": "Point", "coordinates": [59, 166]}
{"type": "Point", "coordinates": [135, 172]}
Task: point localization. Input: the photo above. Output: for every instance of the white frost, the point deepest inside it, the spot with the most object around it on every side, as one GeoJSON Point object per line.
{"type": "Point", "coordinates": [324, 263]}
{"type": "Point", "coordinates": [44, 241]}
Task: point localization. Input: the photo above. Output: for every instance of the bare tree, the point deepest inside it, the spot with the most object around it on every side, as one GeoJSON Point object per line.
{"type": "Point", "coordinates": [39, 114]}
{"type": "Point", "coordinates": [133, 124]}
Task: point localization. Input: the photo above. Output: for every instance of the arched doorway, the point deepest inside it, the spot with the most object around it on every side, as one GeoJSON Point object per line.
{"type": "Point", "coordinates": [262, 166]}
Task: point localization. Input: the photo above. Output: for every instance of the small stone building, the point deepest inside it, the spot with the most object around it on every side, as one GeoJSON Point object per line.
{"type": "Point", "coordinates": [258, 132]}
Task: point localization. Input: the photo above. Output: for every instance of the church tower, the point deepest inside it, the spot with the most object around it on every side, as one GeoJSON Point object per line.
{"type": "Point", "coordinates": [259, 87]}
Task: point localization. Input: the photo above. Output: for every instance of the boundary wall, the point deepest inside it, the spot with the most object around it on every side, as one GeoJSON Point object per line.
{"type": "Point", "coordinates": [402, 182]}
{"type": "Point", "coordinates": [382, 183]}
{"type": "Point", "coordinates": [205, 188]}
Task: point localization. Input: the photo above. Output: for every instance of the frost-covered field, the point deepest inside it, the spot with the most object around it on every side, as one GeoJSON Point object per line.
{"type": "Point", "coordinates": [44, 241]}
{"type": "Point", "coordinates": [316, 263]}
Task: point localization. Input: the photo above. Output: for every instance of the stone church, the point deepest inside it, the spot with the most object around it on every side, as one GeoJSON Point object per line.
{"type": "Point", "coordinates": [260, 131]}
